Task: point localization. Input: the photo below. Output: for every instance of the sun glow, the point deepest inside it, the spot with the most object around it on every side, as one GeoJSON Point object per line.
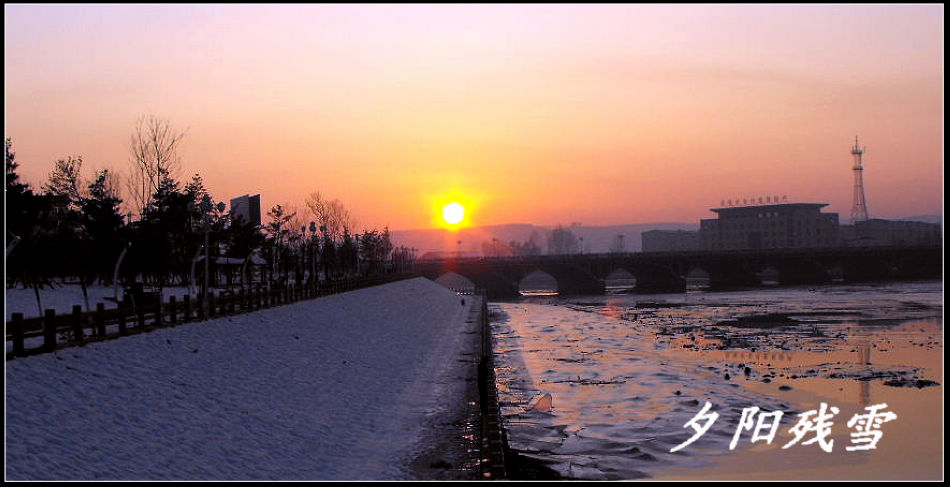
{"type": "Point", "coordinates": [454, 209]}
{"type": "Point", "coordinates": [453, 213]}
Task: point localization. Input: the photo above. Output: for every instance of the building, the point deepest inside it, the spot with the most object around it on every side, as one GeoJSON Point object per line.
{"type": "Point", "coordinates": [880, 232]}
{"type": "Point", "coordinates": [775, 226]}
{"type": "Point", "coordinates": [247, 208]}
{"type": "Point", "coordinates": [669, 241]}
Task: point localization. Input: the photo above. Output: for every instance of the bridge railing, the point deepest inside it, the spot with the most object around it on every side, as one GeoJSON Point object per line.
{"type": "Point", "coordinates": [855, 250]}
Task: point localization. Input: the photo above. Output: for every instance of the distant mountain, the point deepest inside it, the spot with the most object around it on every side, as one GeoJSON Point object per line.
{"type": "Point", "coordinates": [476, 240]}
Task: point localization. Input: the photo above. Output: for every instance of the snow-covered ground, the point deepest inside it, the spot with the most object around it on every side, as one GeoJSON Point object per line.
{"type": "Point", "coordinates": [62, 297]}
{"type": "Point", "coordinates": [340, 387]}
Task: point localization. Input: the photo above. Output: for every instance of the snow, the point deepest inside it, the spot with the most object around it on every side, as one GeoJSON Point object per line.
{"type": "Point", "coordinates": [340, 387]}
{"type": "Point", "coordinates": [62, 298]}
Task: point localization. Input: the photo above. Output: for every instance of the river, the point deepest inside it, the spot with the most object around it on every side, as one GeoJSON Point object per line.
{"type": "Point", "coordinates": [626, 373]}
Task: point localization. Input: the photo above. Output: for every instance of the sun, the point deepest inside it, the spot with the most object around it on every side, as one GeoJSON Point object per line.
{"type": "Point", "coordinates": [453, 213]}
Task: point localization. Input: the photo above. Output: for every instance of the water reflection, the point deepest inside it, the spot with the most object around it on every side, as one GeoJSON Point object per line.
{"type": "Point", "coordinates": [625, 373]}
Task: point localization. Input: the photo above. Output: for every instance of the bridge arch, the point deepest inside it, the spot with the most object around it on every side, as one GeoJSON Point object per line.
{"type": "Point", "coordinates": [456, 282]}
{"type": "Point", "coordinates": [538, 281]}
{"type": "Point", "coordinates": [769, 275]}
{"type": "Point", "coordinates": [620, 280]}
{"type": "Point", "coordinates": [697, 278]}
{"type": "Point", "coordinates": [836, 271]}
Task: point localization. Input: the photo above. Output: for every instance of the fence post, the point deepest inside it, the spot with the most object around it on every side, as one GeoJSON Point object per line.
{"type": "Point", "coordinates": [187, 302]}
{"type": "Point", "coordinates": [158, 310]}
{"type": "Point", "coordinates": [202, 299]}
{"type": "Point", "coordinates": [123, 309]}
{"type": "Point", "coordinates": [140, 314]}
{"type": "Point", "coordinates": [77, 323]}
{"type": "Point", "coordinates": [49, 330]}
{"type": "Point", "coordinates": [100, 320]}
{"type": "Point", "coordinates": [172, 310]}
{"type": "Point", "coordinates": [17, 334]}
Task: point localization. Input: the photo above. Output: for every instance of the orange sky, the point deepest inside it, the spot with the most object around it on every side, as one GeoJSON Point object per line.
{"type": "Point", "coordinates": [538, 114]}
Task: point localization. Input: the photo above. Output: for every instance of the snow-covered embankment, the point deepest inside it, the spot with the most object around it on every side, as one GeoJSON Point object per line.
{"type": "Point", "coordinates": [338, 387]}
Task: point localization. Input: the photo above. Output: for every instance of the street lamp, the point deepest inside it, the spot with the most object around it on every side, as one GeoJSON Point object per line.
{"type": "Point", "coordinates": [358, 270]}
{"type": "Point", "coordinates": [326, 263]}
{"type": "Point", "coordinates": [206, 217]}
{"type": "Point", "coordinates": [303, 250]}
{"type": "Point", "coordinates": [313, 250]}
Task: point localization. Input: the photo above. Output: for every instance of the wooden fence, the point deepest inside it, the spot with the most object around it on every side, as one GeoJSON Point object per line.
{"type": "Point", "coordinates": [78, 327]}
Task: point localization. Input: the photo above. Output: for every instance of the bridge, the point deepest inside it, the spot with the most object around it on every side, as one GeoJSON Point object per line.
{"type": "Point", "coordinates": [666, 272]}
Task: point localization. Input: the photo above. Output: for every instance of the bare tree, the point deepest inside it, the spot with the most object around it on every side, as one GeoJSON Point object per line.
{"type": "Point", "coordinates": [112, 182]}
{"type": "Point", "coordinates": [330, 214]}
{"type": "Point", "coordinates": [65, 179]}
{"type": "Point", "coordinates": [153, 156]}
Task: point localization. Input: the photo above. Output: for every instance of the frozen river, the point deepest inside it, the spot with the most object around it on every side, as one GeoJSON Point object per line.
{"type": "Point", "coordinates": [625, 374]}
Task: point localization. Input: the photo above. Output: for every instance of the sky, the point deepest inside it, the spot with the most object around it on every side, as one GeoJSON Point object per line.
{"type": "Point", "coordinates": [543, 114]}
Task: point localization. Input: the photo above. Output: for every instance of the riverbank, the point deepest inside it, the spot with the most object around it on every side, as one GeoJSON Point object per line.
{"type": "Point", "coordinates": [359, 385]}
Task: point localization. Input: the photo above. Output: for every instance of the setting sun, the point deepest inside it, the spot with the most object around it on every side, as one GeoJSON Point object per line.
{"type": "Point", "coordinates": [453, 213]}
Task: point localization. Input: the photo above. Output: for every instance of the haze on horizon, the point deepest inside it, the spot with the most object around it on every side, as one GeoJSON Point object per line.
{"type": "Point", "coordinates": [544, 114]}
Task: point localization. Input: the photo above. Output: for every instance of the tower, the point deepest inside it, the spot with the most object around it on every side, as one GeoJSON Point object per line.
{"type": "Point", "coordinates": [859, 212]}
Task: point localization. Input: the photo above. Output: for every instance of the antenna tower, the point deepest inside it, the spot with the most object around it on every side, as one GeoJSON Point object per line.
{"type": "Point", "coordinates": [859, 212]}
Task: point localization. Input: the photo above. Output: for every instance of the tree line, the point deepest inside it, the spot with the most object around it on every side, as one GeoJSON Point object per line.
{"type": "Point", "coordinates": [77, 228]}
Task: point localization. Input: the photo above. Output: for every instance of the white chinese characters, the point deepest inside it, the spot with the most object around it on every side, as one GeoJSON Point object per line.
{"type": "Point", "coordinates": [815, 424]}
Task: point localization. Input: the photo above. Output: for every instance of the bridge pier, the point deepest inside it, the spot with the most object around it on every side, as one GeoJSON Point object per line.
{"type": "Point", "coordinates": [803, 272]}
{"type": "Point", "coordinates": [659, 280]}
{"type": "Point", "coordinates": [730, 276]}
{"type": "Point", "coordinates": [862, 270]}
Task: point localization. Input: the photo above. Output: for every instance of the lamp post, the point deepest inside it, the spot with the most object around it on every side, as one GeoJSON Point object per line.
{"type": "Point", "coordinates": [115, 273]}
{"type": "Point", "coordinates": [16, 240]}
{"type": "Point", "coordinates": [326, 264]}
{"type": "Point", "coordinates": [206, 217]}
{"type": "Point", "coordinates": [303, 251]}
{"type": "Point", "coordinates": [313, 250]}
{"type": "Point", "coordinates": [357, 236]}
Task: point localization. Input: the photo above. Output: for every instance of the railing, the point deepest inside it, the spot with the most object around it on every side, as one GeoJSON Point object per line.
{"type": "Point", "coordinates": [606, 256]}
{"type": "Point", "coordinates": [78, 327]}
